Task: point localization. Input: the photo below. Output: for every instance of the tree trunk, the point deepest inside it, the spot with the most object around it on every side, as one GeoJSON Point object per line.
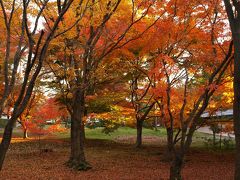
{"type": "Point", "coordinates": [176, 167]}
{"type": "Point", "coordinates": [236, 104]}
{"type": "Point", "coordinates": [214, 139]}
{"type": "Point", "coordinates": [6, 139]}
{"type": "Point", "coordinates": [233, 11]}
{"type": "Point", "coordinates": [25, 133]}
{"type": "Point", "coordinates": [77, 158]}
{"type": "Point", "coordinates": [139, 133]}
{"type": "Point", "coordinates": [83, 132]}
{"type": "Point", "coordinates": [156, 123]}
{"type": "Point", "coordinates": [168, 155]}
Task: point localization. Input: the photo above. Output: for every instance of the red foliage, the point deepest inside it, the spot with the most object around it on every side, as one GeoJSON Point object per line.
{"type": "Point", "coordinates": [50, 111]}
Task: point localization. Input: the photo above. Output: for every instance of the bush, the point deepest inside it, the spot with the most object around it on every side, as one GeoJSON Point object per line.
{"type": "Point", "coordinates": [110, 127]}
{"type": "Point", "coordinates": [226, 143]}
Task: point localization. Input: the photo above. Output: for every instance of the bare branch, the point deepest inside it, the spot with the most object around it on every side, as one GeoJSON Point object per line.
{"type": "Point", "coordinates": [38, 16]}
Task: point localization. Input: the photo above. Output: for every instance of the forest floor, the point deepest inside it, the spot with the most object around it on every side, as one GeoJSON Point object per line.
{"type": "Point", "coordinates": [113, 160]}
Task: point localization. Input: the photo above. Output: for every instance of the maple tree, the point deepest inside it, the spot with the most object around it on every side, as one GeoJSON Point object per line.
{"type": "Point", "coordinates": [142, 101]}
{"type": "Point", "coordinates": [27, 44]}
{"type": "Point", "coordinates": [190, 80]}
{"type": "Point", "coordinates": [101, 30]}
{"type": "Point", "coordinates": [140, 57]}
{"type": "Point", "coordinates": [48, 112]}
{"type": "Point", "coordinates": [142, 106]}
{"type": "Point", "coordinates": [181, 67]}
{"type": "Point", "coordinates": [26, 116]}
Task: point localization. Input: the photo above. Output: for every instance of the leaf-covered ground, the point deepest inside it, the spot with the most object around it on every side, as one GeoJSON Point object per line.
{"type": "Point", "coordinates": [110, 160]}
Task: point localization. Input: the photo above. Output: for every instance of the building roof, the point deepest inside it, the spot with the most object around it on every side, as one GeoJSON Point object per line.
{"type": "Point", "coordinates": [220, 113]}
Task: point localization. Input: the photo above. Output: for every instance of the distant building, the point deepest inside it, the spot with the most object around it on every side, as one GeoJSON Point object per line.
{"type": "Point", "coordinates": [219, 113]}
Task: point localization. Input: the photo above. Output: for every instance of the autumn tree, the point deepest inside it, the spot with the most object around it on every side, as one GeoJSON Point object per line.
{"type": "Point", "coordinates": [25, 41]}
{"type": "Point", "coordinates": [189, 74]}
{"type": "Point", "coordinates": [186, 75]}
{"type": "Point", "coordinates": [103, 28]}
{"type": "Point", "coordinates": [233, 12]}
{"type": "Point", "coordinates": [26, 116]}
{"type": "Point", "coordinates": [140, 84]}
{"type": "Point", "coordinates": [141, 101]}
{"type": "Point", "coordinates": [35, 100]}
{"type": "Point", "coordinates": [140, 56]}
{"type": "Point", "coordinates": [49, 111]}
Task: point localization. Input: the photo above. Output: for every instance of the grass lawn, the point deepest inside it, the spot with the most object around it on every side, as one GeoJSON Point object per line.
{"type": "Point", "coordinates": [123, 135]}
{"type": "Point", "coordinates": [97, 133]}
{"type": "Point", "coordinates": [122, 132]}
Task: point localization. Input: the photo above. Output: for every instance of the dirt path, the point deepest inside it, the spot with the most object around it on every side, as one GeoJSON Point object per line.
{"type": "Point", "coordinates": [206, 130]}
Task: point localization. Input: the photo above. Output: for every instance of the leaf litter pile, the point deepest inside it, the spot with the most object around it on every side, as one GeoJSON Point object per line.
{"type": "Point", "coordinates": [110, 160]}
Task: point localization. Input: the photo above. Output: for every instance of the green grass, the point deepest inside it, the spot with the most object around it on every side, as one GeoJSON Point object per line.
{"type": "Point", "coordinates": [199, 139]}
{"type": "Point", "coordinates": [127, 132]}
{"type": "Point", "coordinates": [98, 134]}
{"type": "Point", "coordinates": [122, 131]}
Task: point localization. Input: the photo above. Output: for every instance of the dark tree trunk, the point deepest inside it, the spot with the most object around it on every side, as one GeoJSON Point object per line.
{"type": "Point", "coordinates": [139, 133]}
{"type": "Point", "coordinates": [77, 158]}
{"type": "Point", "coordinates": [169, 139]}
{"type": "Point", "coordinates": [214, 139]}
{"type": "Point", "coordinates": [156, 123]}
{"type": "Point", "coordinates": [83, 125]}
{"type": "Point", "coordinates": [83, 132]}
{"type": "Point", "coordinates": [140, 121]}
{"type": "Point", "coordinates": [168, 155]}
{"type": "Point", "coordinates": [6, 139]}
{"type": "Point", "coordinates": [233, 11]}
{"type": "Point", "coordinates": [176, 167]}
{"type": "Point", "coordinates": [236, 104]}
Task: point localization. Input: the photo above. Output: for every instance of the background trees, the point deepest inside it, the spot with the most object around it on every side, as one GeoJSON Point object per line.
{"type": "Point", "coordinates": [165, 57]}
